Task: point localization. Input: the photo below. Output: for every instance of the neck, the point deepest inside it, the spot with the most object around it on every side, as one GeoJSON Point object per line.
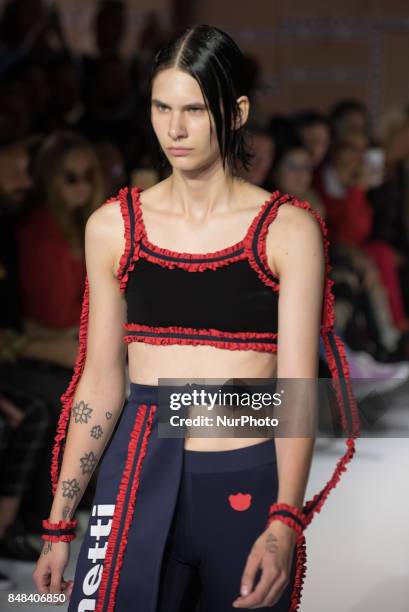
{"type": "Point", "coordinates": [202, 193]}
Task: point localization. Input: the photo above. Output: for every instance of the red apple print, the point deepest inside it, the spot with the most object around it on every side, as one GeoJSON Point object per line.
{"type": "Point", "coordinates": [240, 501]}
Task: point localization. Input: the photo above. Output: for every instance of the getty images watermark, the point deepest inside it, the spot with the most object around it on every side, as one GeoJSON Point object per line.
{"type": "Point", "coordinates": [272, 407]}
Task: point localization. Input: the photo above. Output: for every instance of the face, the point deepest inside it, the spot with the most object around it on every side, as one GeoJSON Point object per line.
{"type": "Point", "coordinates": [317, 139]}
{"type": "Point", "coordinates": [354, 120]}
{"type": "Point", "coordinates": [77, 179]}
{"type": "Point", "coordinates": [15, 179]}
{"type": "Point", "coordinates": [182, 124]}
{"type": "Point", "coordinates": [262, 146]}
{"type": "Point", "coordinates": [294, 173]}
{"type": "Point", "coordinates": [348, 165]}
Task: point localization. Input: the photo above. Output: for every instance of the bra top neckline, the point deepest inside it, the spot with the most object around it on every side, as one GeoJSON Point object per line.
{"type": "Point", "coordinates": [183, 254]}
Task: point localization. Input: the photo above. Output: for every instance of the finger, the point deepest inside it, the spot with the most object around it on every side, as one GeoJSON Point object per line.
{"type": "Point", "coordinates": [43, 582]}
{"type": "Point", "coordinates": [55, 586]}
{"type": "Point", "coordinates": [267, 580]}
{"type": "Point", "coordinates": [276, 591]}
{"type": "Point", "coordinates": [249, 572]}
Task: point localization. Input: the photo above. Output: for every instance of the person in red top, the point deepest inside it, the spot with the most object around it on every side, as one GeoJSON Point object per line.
{"type": "Point", "coordinates": [342, 187]}
{"type": "Point", "coordinates": [50, 240]}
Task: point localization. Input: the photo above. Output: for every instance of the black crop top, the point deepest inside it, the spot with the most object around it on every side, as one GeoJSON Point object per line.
{"type": "Point", "coordinates": [227, 298]}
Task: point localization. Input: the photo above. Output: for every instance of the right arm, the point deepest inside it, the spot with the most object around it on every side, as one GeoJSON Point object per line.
{"type": "Point", "coordinates": [100, 390]}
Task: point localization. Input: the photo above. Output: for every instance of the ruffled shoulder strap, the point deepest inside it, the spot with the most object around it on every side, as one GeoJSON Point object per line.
{"type": "Point", "coordinates": [339, 369]}
{"type": "Point", "coordinates": [127, 198]}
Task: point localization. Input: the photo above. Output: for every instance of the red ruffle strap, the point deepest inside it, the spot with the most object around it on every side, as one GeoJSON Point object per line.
{"type": "Point", "coordinates": [68, 395]}
{"type": "Point", "coordinates": [278, 512]}
{"type": "Point", "coordinates": [281, 512]}
{"type": "Point", "coordinates": [125, 266]}
{"type": "Point", "coordinates": [252, 340]}
{"type": "Point", "coordinates": [256, 244]}
{"type": "Point", "coordinates": [196, 262]}
{"type": "Point", "coordinates": [337, 362]}
{"type": "Point", "coordinates": [113, 564]}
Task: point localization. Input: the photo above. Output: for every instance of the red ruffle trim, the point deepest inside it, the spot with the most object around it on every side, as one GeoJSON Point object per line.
{"type": "Point", "coordinates": [127, 235]}
{"type": "Point", "coordinates": [68, 395]}
{"type": "Point", "coordinates": [291, 522]}
{"type": "Point", "coordinates": [119, 507]}
{"type": "Point", "coordinates": [228, 344]}
{"type": "Point", "coordinates": [275, 201]}
{"type": "Point", "coordinates": [58, 538]}
{"type": "Point", "coordinates": [190, 266]}
{"type": "Point", "coordinates": [301, 549]}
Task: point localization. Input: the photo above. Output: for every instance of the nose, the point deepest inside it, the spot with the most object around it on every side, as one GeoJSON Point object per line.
{"type": "Point", "coordinates": [177, 128]}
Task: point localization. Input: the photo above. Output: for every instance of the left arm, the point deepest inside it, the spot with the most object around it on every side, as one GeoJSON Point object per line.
{"type": "Point", "coordinates": [300, 263]}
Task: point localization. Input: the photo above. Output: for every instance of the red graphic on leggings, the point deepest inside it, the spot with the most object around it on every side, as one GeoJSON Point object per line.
{"type": "Point", "coordinates": [240, 501]}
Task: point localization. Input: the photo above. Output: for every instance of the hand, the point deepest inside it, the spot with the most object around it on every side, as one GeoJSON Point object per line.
{"type": "Point", "coordinates": [48, 574]}
{"type": "Point", "coordinates": [273, 553]}
{"type": "Point", "coordinates": [13, 414]}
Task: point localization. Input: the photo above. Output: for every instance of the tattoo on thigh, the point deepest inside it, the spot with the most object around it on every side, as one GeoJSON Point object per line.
{"type": "Point", "coordinates": [82, 412]}
{"type": "Point", "coordinates": [70, 488]}
{"type": "Point", "coordinates": [88, 462]}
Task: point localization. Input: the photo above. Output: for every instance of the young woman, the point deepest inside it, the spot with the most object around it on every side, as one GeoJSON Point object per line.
{"type": "Point", "coordinates": [180, 520]}
{"type": "Point", "coordinates": [52, 260]}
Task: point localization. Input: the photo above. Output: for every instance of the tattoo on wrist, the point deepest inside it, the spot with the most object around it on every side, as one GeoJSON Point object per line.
{"type": "Point", "coordinates": [48, 546]}
{"type": "Point", "coordinates": [271, 543]}
{"type": "Point", "coordinates": [88, 462]}
{"type": "Point", "coordinates": [70, 488]}
{"type": "Point", "coordinates": [96, 432]}
{"type": "Point", "coordinates": [82, 412]}
{"type": "Point", "coordinates": [67, 512]}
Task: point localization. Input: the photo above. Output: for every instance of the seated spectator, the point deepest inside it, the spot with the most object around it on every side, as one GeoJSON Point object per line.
{"type": "Point", "coordinates": [52, 263]}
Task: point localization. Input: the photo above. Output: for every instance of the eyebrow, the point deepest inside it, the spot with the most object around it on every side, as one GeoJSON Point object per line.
{"type": "Point", "coordinates": [198, 104]}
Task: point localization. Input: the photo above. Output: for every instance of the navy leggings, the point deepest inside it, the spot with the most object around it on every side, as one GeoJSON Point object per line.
{"type": "Point", "coordinates": [221, 510]}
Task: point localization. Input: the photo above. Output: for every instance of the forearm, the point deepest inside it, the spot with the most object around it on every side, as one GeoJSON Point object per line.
{"type": "Point", "coordinates": [96, 408]}
{"type": "Point", "coordinates": [294, 457]}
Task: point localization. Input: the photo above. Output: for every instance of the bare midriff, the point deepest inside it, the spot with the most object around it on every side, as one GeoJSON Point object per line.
{"type": "Point", "coordinates": [205, 365]}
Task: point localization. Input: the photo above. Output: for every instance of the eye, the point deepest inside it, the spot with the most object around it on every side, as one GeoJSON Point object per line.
{"type": "Point", "coordinates": [194, 109]}
{"type": "Point", "coordinates": [161, 107]}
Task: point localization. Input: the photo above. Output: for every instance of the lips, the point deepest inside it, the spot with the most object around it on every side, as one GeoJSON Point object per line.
{"type": "Point", "coordinates": [179, 150]}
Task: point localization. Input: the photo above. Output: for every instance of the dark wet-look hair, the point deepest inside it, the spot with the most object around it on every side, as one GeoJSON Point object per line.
{"type": "Point", "coordinates": [214, 60]}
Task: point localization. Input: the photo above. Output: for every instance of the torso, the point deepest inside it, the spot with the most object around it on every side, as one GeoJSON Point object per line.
{"type": "Point", "coordinates": [148, 363]}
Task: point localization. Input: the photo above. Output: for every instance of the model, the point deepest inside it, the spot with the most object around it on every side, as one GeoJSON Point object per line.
{"type": "Point", "coordinates": [189, 523]}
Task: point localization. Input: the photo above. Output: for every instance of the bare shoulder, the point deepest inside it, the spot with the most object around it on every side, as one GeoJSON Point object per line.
{"type": "Point", "coordinates": [294, 236]}
{"type": "Point", "coordinates": [252, 195]}
{"type": "Point", "coordinates": [105, 227]}
{"type": "Point", "coordinates": [154, 195]}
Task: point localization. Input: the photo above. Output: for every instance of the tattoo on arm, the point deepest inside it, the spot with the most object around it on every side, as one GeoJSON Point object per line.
{"type": "Point", "coordinates": [271, 543]}
{"type": "Point", "coordinates": [67, 512]}
{"type": "Point", "coordinates": [96, 432]}
{"type": "Point", "coordinates": [88, 462]}
{"type": "Point", "coordinates": [70, 488]}
{"type": "Point", "coordinates": [82, 412]}
{"type": "Point", "coordinates": [108, 415]}
{"type": "Point", "coordinates": [48, 546]}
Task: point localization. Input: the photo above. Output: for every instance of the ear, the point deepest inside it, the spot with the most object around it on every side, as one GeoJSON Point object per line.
{"type": "Point", "coordinates": [244, 107]}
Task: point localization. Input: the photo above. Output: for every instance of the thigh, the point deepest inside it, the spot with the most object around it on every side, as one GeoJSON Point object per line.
{"type": "Point", "coordinates": [179, 582]}
{"type": "Point", "coordinates": [234, 514]}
